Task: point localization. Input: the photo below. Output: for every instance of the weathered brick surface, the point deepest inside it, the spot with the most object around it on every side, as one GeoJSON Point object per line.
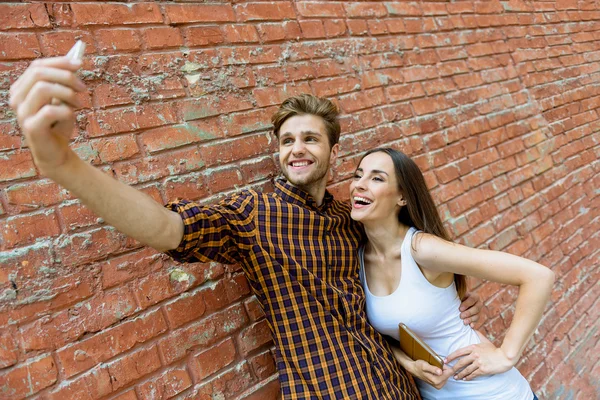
{"type": "Point", "coordinates": [497, 101]}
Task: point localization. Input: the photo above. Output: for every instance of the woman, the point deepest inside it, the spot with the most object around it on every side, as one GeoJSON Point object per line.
{"type": "Point", "coordinates": [413, 274]}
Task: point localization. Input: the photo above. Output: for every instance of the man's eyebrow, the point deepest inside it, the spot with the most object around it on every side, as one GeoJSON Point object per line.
{"type": "Point", "coordinates": [302, 133]}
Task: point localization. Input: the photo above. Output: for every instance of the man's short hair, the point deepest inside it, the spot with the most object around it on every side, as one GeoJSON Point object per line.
{"type": "Point", "coordinates": [312, 105]}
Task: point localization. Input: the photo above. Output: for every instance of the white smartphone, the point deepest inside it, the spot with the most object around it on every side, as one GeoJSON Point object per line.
{"type": "Point", "coordinates": [76, 52]}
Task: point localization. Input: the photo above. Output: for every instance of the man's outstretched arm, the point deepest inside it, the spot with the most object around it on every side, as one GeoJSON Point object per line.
{"type": "Point", "coordinates": [44, 98]}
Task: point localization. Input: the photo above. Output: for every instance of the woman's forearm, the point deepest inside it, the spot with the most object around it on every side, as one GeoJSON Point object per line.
{"type": "Point", "coordinates": [531, 302]}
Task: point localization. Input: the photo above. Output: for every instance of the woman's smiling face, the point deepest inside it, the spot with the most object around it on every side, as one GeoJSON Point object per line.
{"type": "Point", "coordinates": [374, 189]}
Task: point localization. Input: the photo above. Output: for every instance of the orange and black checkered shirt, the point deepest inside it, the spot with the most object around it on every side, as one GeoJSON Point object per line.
{"type": "Point", "coordinates": [300, 260]}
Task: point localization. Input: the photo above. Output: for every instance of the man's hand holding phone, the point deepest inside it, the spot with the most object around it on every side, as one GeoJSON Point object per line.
{"type": "Point", "coordinates": [44, 99]}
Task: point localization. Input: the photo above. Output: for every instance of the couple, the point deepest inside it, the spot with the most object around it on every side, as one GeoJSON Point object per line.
{"type": "Point", "coordinates": [298, 246]}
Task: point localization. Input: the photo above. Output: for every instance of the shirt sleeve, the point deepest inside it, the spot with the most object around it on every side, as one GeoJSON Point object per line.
{"type": "Point", "coordinates": [217, 232]}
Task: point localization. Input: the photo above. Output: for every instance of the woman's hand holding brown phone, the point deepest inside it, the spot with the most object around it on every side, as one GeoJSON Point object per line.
{"type": "Point", "coordinates": [420, 360]}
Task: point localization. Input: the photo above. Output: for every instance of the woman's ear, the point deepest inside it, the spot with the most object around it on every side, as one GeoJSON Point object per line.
{"type": "Point", "coordinates": [401, 202]}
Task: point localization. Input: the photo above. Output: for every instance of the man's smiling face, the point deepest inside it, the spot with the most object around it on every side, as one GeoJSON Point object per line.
{"type": "Point", "coordinates": [304, 151]}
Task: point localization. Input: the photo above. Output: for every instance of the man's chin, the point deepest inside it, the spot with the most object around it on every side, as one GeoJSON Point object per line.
{"type": "Point", "coordinates": [302, 181]}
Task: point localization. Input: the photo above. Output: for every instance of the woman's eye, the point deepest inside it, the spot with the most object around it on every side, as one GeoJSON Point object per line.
{"type": "Point", "coordinates": [355, 176]}
{"type": "Point", "coordinates": [378, 179]}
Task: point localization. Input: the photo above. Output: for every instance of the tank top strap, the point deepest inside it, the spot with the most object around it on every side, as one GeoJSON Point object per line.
{"type": "Point", "coordinates": [410, 269]}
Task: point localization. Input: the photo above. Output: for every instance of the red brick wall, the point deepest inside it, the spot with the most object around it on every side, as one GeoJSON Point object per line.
{"type": "Point", "coordinates": [496, 100]}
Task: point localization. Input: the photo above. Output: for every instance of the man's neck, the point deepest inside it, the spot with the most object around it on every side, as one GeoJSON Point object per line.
{"type": "Point", "coordinates": [315, 190]}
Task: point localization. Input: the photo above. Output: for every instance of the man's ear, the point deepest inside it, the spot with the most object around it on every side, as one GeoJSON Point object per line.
{"type": "Point", "coordinates": [334, 154]}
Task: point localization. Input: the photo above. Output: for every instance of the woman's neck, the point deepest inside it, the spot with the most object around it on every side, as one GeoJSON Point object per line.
{"type": "Point", "coordinates": [384, 238]}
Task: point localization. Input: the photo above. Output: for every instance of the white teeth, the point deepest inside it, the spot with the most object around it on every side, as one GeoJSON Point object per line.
{"type": "Point", "coordinates": [300, 163]}
{"type": "Point", "coordinates": [362, 199]}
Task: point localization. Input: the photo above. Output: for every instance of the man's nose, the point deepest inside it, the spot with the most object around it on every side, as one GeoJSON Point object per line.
{"type": "Point", "coordinates": [298, 147]}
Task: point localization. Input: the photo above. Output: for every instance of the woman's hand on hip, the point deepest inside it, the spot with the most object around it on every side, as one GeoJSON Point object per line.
{"type": "Point", "coordinates": [479, 359]}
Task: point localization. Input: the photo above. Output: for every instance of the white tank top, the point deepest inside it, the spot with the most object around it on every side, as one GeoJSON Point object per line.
{"type": "Point", "coordinates": [432, 313]}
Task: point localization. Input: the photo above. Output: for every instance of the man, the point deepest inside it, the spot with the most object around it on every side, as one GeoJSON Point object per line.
{"type": "Point", "coordinates": [297, 245]}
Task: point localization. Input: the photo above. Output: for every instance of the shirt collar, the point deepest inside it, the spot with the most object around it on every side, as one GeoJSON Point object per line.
{"type": "Point", "coordinates": [292, 194]}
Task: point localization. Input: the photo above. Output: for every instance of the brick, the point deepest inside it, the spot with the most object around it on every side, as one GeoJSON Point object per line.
{"type": "Point", "coordinates": [61, 291]}
{"type": "Point", "coordinates": [162, 37]}
{"type": "Point", "coordinates": [186, 186]}
{"type": "Point", "coordinates": [377, 27]}
{"type": "Point", "coordinates": [365, 10]}
{"type": "Point", "coordinates": [166, 385]}
{"type": "Point", "coordinates": [211, 105]}
{"type": "Point", "coordinates": [133, 366]}
{"type": "Point", "coordinates": [318, 9]}
{"type": "Point", "coordinates": [202, 333]}
{"type": "Point", "coordinates": [254, 309]}
{"type": "Point", "coordinates": [115, 14]}
{"type": "Point", "coordinates": [131, 119]}
{"type": "Point", "coordinates": [33, 195]}
{"type": "Point", "coordinates": [256, 170]}
{"type": "Point", "coordinates": [264, 11]}
{"type": "Point", "coordinates": [254, 337]}
{"type": "Point", "coordinates": [109, 343]}
{"type": "Point", "coordinates": [220, 295]}
{"type": "Point", "coordinates": [332, 86]}
{"type": "Point", "coordinates": [189, 13]}
{"type": "Point", "coordinates": [90, 316]}
{"type": "Point", "coordinates": [239, 148]}
{"type": "Point", "coordinates": [29, 377]}
{"type": "Point", "coordinates": [276, 31]}
{"type": "Point", "coordinates": [25, 229]}
{"type": "Point", "coordinates": [23, 16]}
{"type": "Point", "coordinates": [357, 27]}
{"type": "Point", "coordinates": [249, 55]}
{"type": "Point", "coordinates": [187, 307]}
{"type": "Point", "coordinates": [334, 28]}
{"type": "Point", "coordinates": [276, 95]}
{"type": "Point", "coordinates": [75, 215]}
{"type": "Point", "coordinates": [87, 246]}
{"type": "Point", "coordinates": [269, 391]}
{"type": "Point", "coordinates": [162, 285]}
{"type": "Point", "coordinates": [129, 395]}
{"type": "Point", "coordinates": [361, 100]}
{"type": "Point", "coordinates": [159, 139]}
{"type": "Point", "coordinates": [312, 29]}
{"type": "Point", "coordinates": [18, 46]}
{"type": "Point", "coordinates": [222, 179]}
{"type": "Point", "coordinates": [116, 148]}
{"type": "Point", "coordinates": [16, 165]}
{"type": "Point", "coordinates": [404, 92]}
{"type": "Point", "coordinates": [212, 360]}
{"type": "Point", "coordinates": [9, 136]}
{"type": "Point", "coordinates": [9, 351]}
{"type": "Point", "coordinates": [263, 364]}
{"type": "Point", "coordinates": [203, 35]}
{"type": "Point", "coordinates": [117, 40]}
{"type": "Point", "coordinates": [240, 33]}
{"type": "Point", "coordinates": [403, 9]}
{"type": "Point", "coordinates": [129, 266]}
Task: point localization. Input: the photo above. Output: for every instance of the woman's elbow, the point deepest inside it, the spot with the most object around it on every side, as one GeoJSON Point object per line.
{"type": "Point", "coordinates": [547, 277]}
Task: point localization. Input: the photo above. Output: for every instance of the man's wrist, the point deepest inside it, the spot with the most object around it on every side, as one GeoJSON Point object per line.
{"type": "Point", "coordinates": [58, 173]}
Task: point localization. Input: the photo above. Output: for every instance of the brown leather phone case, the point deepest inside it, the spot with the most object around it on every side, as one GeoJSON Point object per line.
{"type": "Point", "coordinates": [417, 349]}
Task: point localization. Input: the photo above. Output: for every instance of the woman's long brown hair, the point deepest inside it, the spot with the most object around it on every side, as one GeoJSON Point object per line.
{"type": "Point", "coordinates": [420, 210]}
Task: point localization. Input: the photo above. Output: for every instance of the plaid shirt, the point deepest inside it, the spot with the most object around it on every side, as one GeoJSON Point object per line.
{"type": "Point", "coordinates": [300, 260]}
